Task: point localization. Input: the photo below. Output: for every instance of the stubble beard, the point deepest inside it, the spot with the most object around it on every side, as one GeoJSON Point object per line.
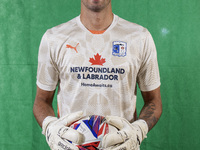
{"type": "Point", "coordinates": [96, 6]}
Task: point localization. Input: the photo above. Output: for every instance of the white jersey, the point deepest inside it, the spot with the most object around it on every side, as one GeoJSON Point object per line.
{"type": "Point", "coordinates": [98, 73]}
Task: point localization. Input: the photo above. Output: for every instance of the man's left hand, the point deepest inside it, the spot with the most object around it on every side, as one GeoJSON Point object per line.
{"type": "Point", "coordinates": [128, 137]}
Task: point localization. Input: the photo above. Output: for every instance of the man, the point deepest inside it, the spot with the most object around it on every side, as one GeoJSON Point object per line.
{"type": "Point", "coordinates": [96, 59]}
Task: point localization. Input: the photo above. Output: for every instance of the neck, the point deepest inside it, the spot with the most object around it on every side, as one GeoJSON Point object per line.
{"type": "Point", "coordinates": [96, 21]}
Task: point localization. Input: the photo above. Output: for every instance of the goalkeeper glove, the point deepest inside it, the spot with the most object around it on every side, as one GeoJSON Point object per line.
{"type": "Point", "coordinates": [129, 136]}
{"type": "Point", "coordinates": [58, 134]}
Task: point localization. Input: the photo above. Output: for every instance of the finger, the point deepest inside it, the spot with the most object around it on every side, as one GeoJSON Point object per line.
{"type": "Point", "coordinates": [73, 136]}
{"type": "Point", "coordinates": [69, 119]}
{"type": "Point", "coordinates": [63, 145]}
{"type": "Point", "coordinates": [112, 139]}
{"type": "Point", "coordinates": [119, 147]}
{"type": "Point", "coordinates": [74, 117]}
{"type": "Point", "coordinates": [128, 145]}
{"type": "Point", "coordinates": [115, 121]}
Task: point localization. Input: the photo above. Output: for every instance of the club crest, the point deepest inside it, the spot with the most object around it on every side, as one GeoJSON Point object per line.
{"type": "Point", "coordinates": [119, 48]}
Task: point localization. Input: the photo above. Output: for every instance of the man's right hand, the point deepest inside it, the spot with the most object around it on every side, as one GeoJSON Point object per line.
{"type": "Point", "coordinates": [58, 134]}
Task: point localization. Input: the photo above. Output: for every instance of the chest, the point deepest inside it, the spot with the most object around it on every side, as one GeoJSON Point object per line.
{"type": "Point", "coordinates": [104, 54]}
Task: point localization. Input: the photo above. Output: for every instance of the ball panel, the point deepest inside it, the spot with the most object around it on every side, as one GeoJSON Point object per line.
{"type": "Point", "coordinates": [93, 128]}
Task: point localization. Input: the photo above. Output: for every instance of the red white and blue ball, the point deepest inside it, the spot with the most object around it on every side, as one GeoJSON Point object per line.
{"type": "Point", "coordinates": [93, 128]}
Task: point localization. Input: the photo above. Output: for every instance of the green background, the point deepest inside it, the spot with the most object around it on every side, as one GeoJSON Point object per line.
{"type": "Point", "coordinates": [174, 25]}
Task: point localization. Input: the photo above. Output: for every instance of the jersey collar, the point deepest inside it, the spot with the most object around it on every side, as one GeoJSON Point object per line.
{"type": "Point", "coordinates": [114, 22]}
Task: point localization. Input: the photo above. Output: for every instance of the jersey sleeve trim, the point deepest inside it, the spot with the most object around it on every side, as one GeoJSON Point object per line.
{"type": "Point", "coordinates": [150, 88]}
{"type": "Point", "coordinates": [45, 87]}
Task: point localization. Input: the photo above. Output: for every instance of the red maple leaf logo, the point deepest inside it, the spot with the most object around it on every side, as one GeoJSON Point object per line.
{"type": "Point", "coordinates": [97, 60]}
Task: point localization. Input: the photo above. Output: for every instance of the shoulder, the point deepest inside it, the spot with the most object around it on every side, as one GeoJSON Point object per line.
{"type": "Point", "coordinates": [132, 28]}
{"type": "Point", "coordinates": [62, 29]}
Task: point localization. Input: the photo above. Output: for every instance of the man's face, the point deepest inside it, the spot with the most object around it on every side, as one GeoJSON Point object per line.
{"type": "Point", "coordinates": [95, 5]}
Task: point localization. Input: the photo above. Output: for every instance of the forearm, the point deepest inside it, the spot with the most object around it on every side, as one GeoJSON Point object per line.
{"type": "Point", "coordinates": [41, 110]}
{"type": "Point", "coordinates": [151, 113]}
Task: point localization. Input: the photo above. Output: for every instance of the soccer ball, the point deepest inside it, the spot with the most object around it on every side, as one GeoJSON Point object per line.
{"type": "Point", "coordinates": [93, 128]}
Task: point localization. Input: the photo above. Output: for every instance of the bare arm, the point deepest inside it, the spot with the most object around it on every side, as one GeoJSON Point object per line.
{"type": "Point", "coordinates": [43, 105]}
{"type": "Point", "coordinates": [152, 108]}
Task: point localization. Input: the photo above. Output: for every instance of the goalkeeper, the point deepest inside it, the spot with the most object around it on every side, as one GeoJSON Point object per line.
{"type": "Point", "coordinates": [72, 53]}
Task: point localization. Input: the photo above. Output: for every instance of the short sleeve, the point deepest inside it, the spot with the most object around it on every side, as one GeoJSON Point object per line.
{"type": "Point", "coordinates": [47, 72]}
{"type": "Point", "coordinates": [148, 76]}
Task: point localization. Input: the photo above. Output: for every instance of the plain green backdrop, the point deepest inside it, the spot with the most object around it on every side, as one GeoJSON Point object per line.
{"type": "Point", "coordinates": [174, 25]}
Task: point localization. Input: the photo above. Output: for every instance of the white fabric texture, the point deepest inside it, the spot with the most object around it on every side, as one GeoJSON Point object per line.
{"type": "Point", "coordinates": [98, 73]}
